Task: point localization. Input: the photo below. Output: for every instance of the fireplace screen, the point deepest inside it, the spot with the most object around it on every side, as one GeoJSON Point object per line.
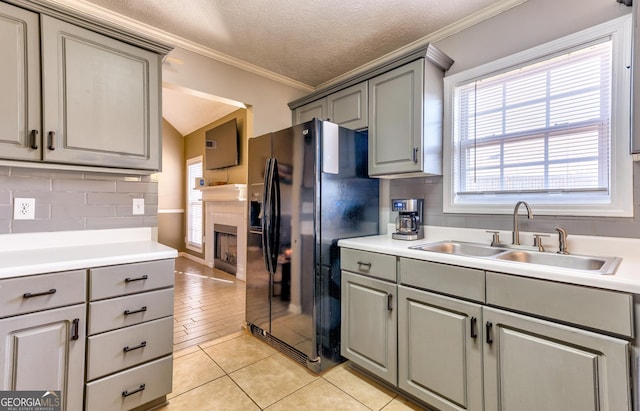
{"type": "Point", "coordinates": [225, 256]}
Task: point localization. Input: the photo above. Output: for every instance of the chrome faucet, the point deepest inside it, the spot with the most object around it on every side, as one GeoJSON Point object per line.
{"type": "Point", "coordinates": [516, 231]}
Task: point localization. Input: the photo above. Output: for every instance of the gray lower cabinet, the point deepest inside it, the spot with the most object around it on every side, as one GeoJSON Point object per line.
{"type": "Point", "coordinates": [70, 95]}
{"type": "Point", "coordinates": [405, 121]}
{"type": "Point", "coordinates": [369, 324]}
{"type": "Point", "coordinates": [45, 351]}
{"type": "Point", "coordinates": [130, 342]}
{"type": "Point", "coordinates": [440, 349]}
{"type": "Point", "coordinates": [532, 365]}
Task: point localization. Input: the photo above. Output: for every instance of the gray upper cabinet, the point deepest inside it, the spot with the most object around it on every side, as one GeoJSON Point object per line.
{"type": "Point", "coordinates": [70, 95]}
{"type": "Point", "coordinates": [315, 109]}
{"type": "Point", "coordinates": [349, 107]}
{"type": "Point", "coordinates": [405, 121]}
{"type": "Point", "coordinates": [101, 99]}
{"type": "Point", "coordinates": [19, 83]}
{"type": "Point", "coordinates": [532, 365]}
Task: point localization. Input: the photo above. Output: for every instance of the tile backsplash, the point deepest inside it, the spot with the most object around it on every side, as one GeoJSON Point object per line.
{"type": "Point", "coordinates": [430, 189]}
{"type": "Point", "coordinates": [76, 200]}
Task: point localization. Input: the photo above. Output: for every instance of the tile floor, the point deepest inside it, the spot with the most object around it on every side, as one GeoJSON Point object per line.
{"type": "Point", "coordinates": [240, 372]}
{"type": "Point", "coordinates": [220, 366]}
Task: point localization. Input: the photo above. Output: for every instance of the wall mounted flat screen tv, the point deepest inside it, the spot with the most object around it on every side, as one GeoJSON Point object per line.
{"type": "Point", "coordinates": [222, 146]}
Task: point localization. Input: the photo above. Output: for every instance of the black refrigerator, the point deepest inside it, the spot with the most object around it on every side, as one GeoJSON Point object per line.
{"type": "Point", "coordinates": [308, 187]}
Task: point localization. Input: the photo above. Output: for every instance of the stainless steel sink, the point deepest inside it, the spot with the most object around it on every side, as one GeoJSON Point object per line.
{"type": "Point", "coordinates": [579, 263]}
{"type": "Point", "coordinates": [460, 248]}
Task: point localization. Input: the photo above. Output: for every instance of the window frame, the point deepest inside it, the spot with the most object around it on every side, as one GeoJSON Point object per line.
{"type": "Point", "coordinates": [189, 244]}
{"type": "Point", "coordinates": [620, 201]}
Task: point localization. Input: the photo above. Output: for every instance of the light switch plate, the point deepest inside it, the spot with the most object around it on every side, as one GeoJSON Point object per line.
{"type": "Point", "coordinates": [24, 208]}
{"type": "Point", "coordinates": [138, 206]}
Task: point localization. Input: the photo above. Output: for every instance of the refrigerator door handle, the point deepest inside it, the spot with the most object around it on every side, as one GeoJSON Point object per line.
{"type": "Point", "coordinates": [275, 199]}
{"type": "Point", "coordinates": [266, 219]}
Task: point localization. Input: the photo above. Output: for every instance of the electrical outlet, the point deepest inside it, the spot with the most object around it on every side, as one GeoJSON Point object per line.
{"type": "Point", "coordinates": [24, 208]}
{"type": "Point", "coordinates": [138, 206]}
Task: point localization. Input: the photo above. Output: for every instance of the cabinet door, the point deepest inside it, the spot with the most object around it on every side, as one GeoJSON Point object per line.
{"type": "Point", "coordinates": [349, 107]}
{"type": "Point", "coordinates": [19, 84]}
{"type": "Point", "coordinates": [440, 349]}
{"type": "Point", "coordinates": [395, 120]}
{"type": "Point", "coordinates": [315, 109]}
{"type": "Point", "coordinates": [45, 351]}
{"type": "Point", "coordinates": [369, 324]}
{"type": "Point", "coordinates": [532, 365]}
{"type": "Point", "coordinates": [100, 99]}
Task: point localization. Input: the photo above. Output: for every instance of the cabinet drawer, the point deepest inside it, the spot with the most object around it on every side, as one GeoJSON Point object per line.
{"type": "Point", "coordinates": [442, 278]}
{"type": "Point", "coordinates": [125, 279]}
{"type": "Point", "coordinates": [121, 312]}
{"type": "Point", "coordinates": [590, 307]}
{"type": "Point", "coordinates": [106, 352]}
{"type": "Point", "coordinates": [34, 293]}
{"type": "Point", "coordinates": [151, 381]}
{"type": "Point", "coordinates": [381, 266]}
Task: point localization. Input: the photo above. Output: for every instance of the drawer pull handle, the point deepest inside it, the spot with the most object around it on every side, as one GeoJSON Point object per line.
{"type": "Point", "coordinates": [142, 345]}
{"type": "Point", "coordinates": [75, 334]}
{"type": "Point", "coordinates": [474, 330]}
{"type": "Point", "coordinates": [128, 393]}
{"type": "Point", "coordinates": [29, 295]}
{"type": "Point", "coordinates": [130, 280]}
{"type": "Point", "coordinates": [143, 309]}
{"type": "Point", "coordinates": [365, 265]}
{"type": "Point", "coordinates": [488, 329]}
{"type": "Point", "coordinates": [390, 302]}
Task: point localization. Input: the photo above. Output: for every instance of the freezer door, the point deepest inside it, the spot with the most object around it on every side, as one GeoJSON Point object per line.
{"type": "Point", "coordinates": [292, 295]}
{"type": "Point", "coordinates": [258, 286]}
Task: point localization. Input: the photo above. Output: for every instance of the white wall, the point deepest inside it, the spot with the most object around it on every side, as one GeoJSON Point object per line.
{"type": "Point", "coordinates": [522, 27]}
{"type": "Point", "coordinates": [268, 98]}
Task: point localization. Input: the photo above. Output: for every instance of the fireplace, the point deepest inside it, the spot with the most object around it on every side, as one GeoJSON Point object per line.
{"type": "Point", "coordinates": [226, 205]}
{"type": "Point", "coordinates": [225, 256]}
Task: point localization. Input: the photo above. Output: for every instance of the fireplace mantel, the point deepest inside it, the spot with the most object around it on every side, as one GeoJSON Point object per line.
{"type": "Point", "coordinates": [226, 192]}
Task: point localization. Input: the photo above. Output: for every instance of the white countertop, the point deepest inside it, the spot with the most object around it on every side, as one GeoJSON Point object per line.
{"type": "Point", "coordinates": [36, 253]}
{"type": "Point", "coordinates": [626, 277]}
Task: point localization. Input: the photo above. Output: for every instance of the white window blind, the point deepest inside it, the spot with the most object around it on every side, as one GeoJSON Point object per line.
{"type": "Point", "coordinates": [539, 128]}
{"type": "Point", "coordinates": [548, 125]}
{"type": "Point", "coordinates": [194, 204]}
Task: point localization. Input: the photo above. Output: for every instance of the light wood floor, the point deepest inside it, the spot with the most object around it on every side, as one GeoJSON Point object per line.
{"type": "Point", "coordinates": [208, 304]}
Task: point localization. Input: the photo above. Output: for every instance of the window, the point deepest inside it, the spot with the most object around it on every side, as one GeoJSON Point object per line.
{"type": "Point", "coordinates": [194, 205]}
{"type": "Point", "coordinates": [549, 126]}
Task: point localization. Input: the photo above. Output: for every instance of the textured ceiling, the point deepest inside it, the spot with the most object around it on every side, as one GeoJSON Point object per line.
{"type": "Point", "coordinates": [303, 43]}
{"type": "Point", "coordinates": [310, 41]}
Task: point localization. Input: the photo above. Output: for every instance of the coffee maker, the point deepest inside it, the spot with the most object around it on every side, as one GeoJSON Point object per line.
{"type": "Point", "coordinates": [409, 219]}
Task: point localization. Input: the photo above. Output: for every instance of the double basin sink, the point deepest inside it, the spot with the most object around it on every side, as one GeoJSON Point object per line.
{"type": "Point", "coordinates": [579, 263]}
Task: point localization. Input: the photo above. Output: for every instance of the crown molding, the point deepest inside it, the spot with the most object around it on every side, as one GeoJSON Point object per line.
{"type": "Point", "coordinates": [80, 7]}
